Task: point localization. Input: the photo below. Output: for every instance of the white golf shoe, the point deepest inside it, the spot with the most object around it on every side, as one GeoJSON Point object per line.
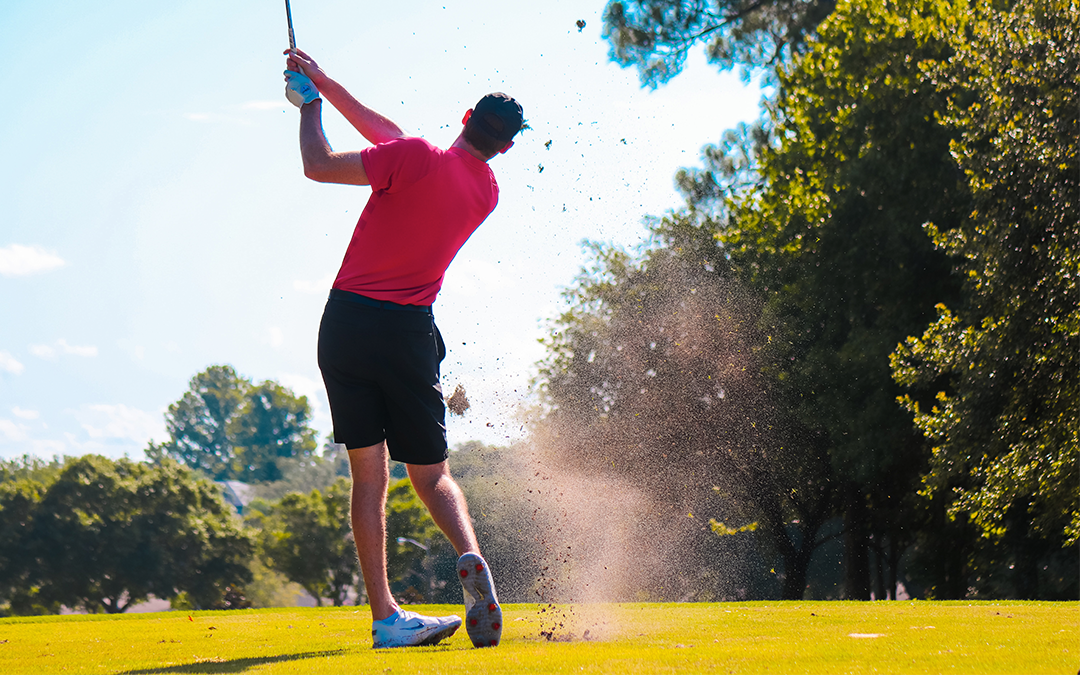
{"type": "Point", "coordinates": [483, 615]}
{"type": "Point", "coordinates": [409, 629]}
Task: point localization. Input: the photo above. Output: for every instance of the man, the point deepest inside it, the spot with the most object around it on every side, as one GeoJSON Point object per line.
{"type": "Point", "coordinates": [379, 348]}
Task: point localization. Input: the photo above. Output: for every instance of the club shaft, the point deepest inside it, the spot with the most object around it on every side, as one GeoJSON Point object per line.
{"type": "Point", "coordinates": [288, 15]}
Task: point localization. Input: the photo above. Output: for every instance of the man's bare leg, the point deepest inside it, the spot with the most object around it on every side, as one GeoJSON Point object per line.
{"type": "Point", "coordinates": [370, 478]}
{"type": "Point", "coordinates": [446, 503]}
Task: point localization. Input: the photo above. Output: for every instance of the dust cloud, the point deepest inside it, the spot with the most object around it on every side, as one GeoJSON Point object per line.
{"type": "Point", "coordinates": [647, 432]}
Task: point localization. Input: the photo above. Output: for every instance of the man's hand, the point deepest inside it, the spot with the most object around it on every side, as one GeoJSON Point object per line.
{"type": "Point", "coordinates": [371, 125]}
{"type": "Point", "coordinates": [299, 62]}
{"type": "Point", "coordinates": [299, 89]}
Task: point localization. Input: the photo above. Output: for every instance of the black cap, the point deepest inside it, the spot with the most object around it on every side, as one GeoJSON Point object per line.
{"type": "Point", "coordinates": [503, 107]}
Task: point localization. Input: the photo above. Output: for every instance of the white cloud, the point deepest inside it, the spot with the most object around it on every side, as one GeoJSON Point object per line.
{"type": "Point", "coordinates": [120, 422]}
{"type": "Point", "coordinates": [25, 414]}
{"type": "Point", "coordinates": [12, 431]}
{"type": "Point", "coordinates": [276, 337]}
{"type": "Point", "coordinates": [76, 350]}
{"type": "Point", "coordinates": [137, 352]}
{"type": "Point", "coordinates": [43, 352]}
{"type": "Point", "coordinates": [215, 118]}
{"type": "Point", "coordinates": [302, 386]}
{"type": "Point", "coordinates": [264, 105]}
{"type": "Point", "coordinates": [318, 286]}
{"type": "Point", "coordinates": [470, 276]}
{"type": "Point", "coordinates": [316, 396]}
{"type": "Point", "coordinates": [9, 364]}
{"type": "Point", "coordinates": [17, 260]}
{"type": "Point", "coordinates": [49, 448]}
{"type": "Point", "coordinates": [61, 346]}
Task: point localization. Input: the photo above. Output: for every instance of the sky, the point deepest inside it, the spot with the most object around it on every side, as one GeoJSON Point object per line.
{"type": "Point", "coordinates": [155, 220]}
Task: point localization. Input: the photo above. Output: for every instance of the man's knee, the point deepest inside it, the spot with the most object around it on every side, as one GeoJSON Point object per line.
{"type": "Point", "coordinates": [426, 478]}
{"type": "Point", "coordinates": [368, 464]}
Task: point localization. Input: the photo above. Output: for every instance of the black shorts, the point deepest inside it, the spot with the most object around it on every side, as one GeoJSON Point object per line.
{"type": "Point", "coordinates": [380, 364]}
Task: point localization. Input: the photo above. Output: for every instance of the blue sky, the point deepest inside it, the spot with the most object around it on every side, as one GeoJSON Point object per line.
{"type": "Point", "coordinates": [156, 220]}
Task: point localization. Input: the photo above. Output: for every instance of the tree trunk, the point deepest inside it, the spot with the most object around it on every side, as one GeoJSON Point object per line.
{"type": "Point", "coordinates": [1025, 573]}
{"type": "Point", "coordinates": [879, 572]}
{"type": "Point", "coordinates": [856, 546]}
{"type": "Point", "coordinates": [795, 568]}
{"type": "Point", "coordinates": [894, 562]}
{"type": "Point", "coordinates": [797, 560]}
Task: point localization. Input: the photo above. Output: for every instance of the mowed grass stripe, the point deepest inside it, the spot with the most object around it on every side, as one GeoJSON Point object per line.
{"type": "Point", "coordinates": [765, 637]}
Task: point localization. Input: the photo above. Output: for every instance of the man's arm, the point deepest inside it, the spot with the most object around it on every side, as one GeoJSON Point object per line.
{"type": "Point", "coordinates": [321, 163]}
{"type": "Point", "coordinates": [373, 126]}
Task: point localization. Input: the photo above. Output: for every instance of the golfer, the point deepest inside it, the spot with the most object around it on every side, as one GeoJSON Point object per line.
{"type": "Point", "coordinates": [379, 348]}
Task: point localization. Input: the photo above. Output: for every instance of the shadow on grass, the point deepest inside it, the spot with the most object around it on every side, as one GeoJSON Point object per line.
{"type": "Point", "coordinates": [232, 665]}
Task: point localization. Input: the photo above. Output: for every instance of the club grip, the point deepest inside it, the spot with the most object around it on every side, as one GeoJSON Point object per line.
{"type": "Point", "coordinates": [288, 15]}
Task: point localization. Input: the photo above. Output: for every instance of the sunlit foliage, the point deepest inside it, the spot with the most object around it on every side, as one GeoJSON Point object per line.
{"type": "Point", "coordinates": [656, 35]}
{"type": "Point", "coordinates": [232, 429]}
{"type": "Point", "coordinates": [103, 535]}
{"type": "Point", "coordinates": [1001, 367]}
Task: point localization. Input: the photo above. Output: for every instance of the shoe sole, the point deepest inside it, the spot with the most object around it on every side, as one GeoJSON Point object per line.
{"type": "Point", "coordinates": [483, 622]}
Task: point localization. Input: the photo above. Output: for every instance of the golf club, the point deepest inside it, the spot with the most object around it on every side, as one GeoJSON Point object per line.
{"type": "Point", "coordinates": [288, 15]}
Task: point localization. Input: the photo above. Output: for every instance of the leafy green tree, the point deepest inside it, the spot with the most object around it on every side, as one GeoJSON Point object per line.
{"type": "Point", "coordinates": [232, 429]}
{"type": "Point", "coordinates": [271, 426]}
{"type": "Point", "coordinates": [105, 535]}
{"type": "Point", "coordinates": [22, 483]}
{"type": "Point", "coordinates": [199, 423]}
{"type": "Point", "coordinates": [29, 467]}
{"type": "Point", "coordinates": [306, 537]}
{"type": "Point", "coordinates": [20, 593]}
{"type": "Point", "coordinates": [994, 383]}
{"type": "Point", "coordinates": [819, 208]}
{"type": "Point", "coordinates": [656, 35]}
{"type": "Point", "coordinates": [889, 116]}
{"type": "Point", "coordinates": [833, 239]}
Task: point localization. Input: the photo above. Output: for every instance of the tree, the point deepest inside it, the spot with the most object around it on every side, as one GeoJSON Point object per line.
{"type": "Point", "coordinates": [656, 35]}
{"type": "Point", "coordinates": [272, 426]}
{"type": "Point", "coordinates": [994, 383]}
{"type": "Point", "coordinates": [20, 594]}
{"type": "Point", "coordinates": [29, 467]}
{"type": "Point", "coordinates": [306, 537]}
{"type": "Point", "coordinates": [105, 535]}
{"type": "Point", "coordinates": [199, 423]}
{"type": "Point", "coordinates": [819, 208]}
{"type": "Point", "coordinates": [231, 429]}
{"type": "Point", "coordinates": [874, 122]}
{"type": "Point", "coordinates": [22, 484]}
{"type": "Point", "coordinates": [834, 241]}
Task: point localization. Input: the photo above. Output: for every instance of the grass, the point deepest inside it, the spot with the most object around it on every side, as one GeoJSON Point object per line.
{"type": "Point", "coordinates": [755, 637]}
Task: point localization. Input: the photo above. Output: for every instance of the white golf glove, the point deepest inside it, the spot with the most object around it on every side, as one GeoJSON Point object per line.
{"type": "Point", "coordinates": [299, 89]}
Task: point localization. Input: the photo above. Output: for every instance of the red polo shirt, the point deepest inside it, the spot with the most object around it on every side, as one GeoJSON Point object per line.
{"type": "Point", "coordinates": [425, 203]}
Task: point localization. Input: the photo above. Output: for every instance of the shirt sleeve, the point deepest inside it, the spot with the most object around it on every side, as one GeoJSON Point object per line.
{"type": "Point", "coordinates": [398, 163]}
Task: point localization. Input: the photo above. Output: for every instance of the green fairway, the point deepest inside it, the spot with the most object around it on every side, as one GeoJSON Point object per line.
{"type": "Point", "coordinates": [761, 637]}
